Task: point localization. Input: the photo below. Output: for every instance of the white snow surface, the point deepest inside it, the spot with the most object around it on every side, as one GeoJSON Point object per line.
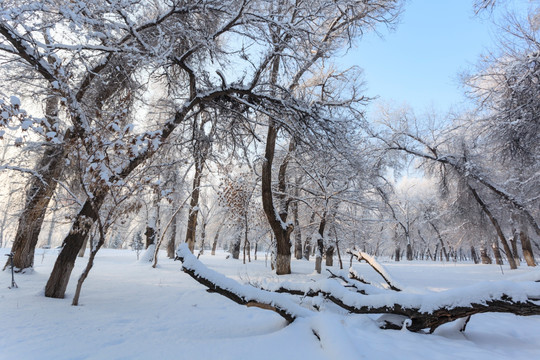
{"type": "Point", "coordinates": [130, 310]}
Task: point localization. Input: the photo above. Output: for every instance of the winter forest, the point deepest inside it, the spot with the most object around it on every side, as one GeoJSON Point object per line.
{"type": "Point", "coordinates": [202, 179]}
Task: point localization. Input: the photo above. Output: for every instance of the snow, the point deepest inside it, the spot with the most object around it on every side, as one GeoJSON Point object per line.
{"type": "Point", "coordinates": [15, 101]}
{"type": "Point", "coordinates": [131, 311]}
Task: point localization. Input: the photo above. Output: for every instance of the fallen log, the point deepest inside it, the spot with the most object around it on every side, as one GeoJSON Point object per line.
{"type": "Point", "coordinates": [418, 311]}
{"type": "Point", "coordinates": [239, 293]}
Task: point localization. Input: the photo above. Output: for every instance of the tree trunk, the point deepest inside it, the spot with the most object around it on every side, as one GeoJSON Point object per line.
{"type": "Point", "coordinates": [307, 248]}
{"type": "Point", "coordinates": [216, 238]}
{"type": "Point", "coordinates": [59, 278]}
{"type": "Point", "coordinates": [443, 249]}
{"type": "Point", "coordinates": [39, 194]}
{"type": "Point", "coordinates": [83, 247]}
{"type": "Point", "coordinates": [246, 241]}
{"type": "Point", "coordinates": [193, 210]}
{"type": "Point", "coordinates": [527, 248]}
{"type": "Point", "coordinates": [497, 253]}
{"type": "Point", "coordinates": [150, 235]}
{"type": "Point", "coordinates": [320, 245]}
{"type": "Point", "coordinates": [484, 255]}
{"type": "Point", "coordinates": [307, 242]}
{"type": "Point", "coordinates": [281, 230]}
{"type": "Point", "coordinates": [330, 256]}
{"type": "Point", "coordinates": [90, 264]}
{"type": "Point", "coordinates": [409, 252]}
{"type": "Point", "coordinates": [297, 232]}
{"type": "Point", "coordinates": [500, 234]}
{"type": "Point", "coordinates": [236, 245]}
{"type": "Point", "coordinates": [171, 244]}
{"type": "Point", "coordinates": [319, 255]}
{"type": "Point", "coordinates": [51, 227]}
{"type": "Point", "coordinates": [474, 256]}
{"type": "Point", "coordinates": [38, 197]}
{"type": "Point", "coordinates": [397, 254]}
{"type": "Point", "coordinates": [203, 239]}
{"type": "Point", "coordinates": [339, 256]}
{"type": "Point", "coordinates": [514, 247]}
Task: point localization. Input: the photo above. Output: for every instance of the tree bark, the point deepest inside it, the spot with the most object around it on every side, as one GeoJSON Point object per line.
{"type": "Point", "coordinates": [514, 247]}
{"type": "Point", "coordinates": [216, 238]}
{"type": "Point", "coordinates": [409, 252]}
{"type": "Point", "coordinates": [320, 244]}
{"type": "Point", "coordinates": [281, 230]}
{"type": "Point", "coordinates": [497, 253]}
{"type": "Point", "coordinates": [193, 209]}
{"type": "Point", "coordinates": [527, 248]}
{"type": "Point", "coordinates": [236, 245]}
{"type": "Point", "coordinates": [397, 253]}
{"type": "Point", "coordinates": [38, 196]}
{"type": "Point", "coordinates": [297, 234]}
{"type": "Point", "coordinates": [247, 245]}
{"type": "Point", "coordinates": [319, 255]}
{"type": "Point", "coordinates": [59, 278]}
{"type": "Point", "coordinates": [42, 187]}
{"type": "Point", "coordinates": [330, 256]}
{"type": "Point", "coordinates": [83, 247]}
{"type": "Point", "coordinates": [150, 235]}
{"type": "Point", "coordinates": [474, 256]}
{"type": "Point", "coordinates": [171, 244]}
{"type": "Point", "coordinates": [484, 255]}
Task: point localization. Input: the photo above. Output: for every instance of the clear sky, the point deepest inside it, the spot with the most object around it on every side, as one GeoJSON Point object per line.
{"type": "Point", "coordinates": [419, 63]}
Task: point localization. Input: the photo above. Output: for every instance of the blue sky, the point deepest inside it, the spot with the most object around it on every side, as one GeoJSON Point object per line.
{"type": "Point", "coordinates": [419, 63]}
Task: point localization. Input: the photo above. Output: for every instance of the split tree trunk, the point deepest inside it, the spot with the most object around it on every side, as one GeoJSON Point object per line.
{"type": "Point", "coordinates": [281, 230]}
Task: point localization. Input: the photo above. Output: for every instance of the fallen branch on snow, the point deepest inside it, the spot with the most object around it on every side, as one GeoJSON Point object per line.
{"type": "Point", "coordinates": [239, 293]}
{"type": "Point", "coordinates": [359, 255]}
{"type": "Point", "coordinates": [422, 311]}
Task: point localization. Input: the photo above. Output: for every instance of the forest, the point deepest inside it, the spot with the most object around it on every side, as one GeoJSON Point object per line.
{"type": "Point", "coordinates": [182, 129]}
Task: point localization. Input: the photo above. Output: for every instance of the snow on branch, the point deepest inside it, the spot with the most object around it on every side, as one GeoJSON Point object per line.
{"type": "Point", "coordinates": [393, 284]}
{"type": "Point", "coordinates": [239, 293]}
{"type": "Point", "coordinates": [418, 311]}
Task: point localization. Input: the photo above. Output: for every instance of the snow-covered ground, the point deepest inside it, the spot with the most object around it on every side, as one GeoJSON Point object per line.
{"type": "Point", "coordinates": [131, 311]}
